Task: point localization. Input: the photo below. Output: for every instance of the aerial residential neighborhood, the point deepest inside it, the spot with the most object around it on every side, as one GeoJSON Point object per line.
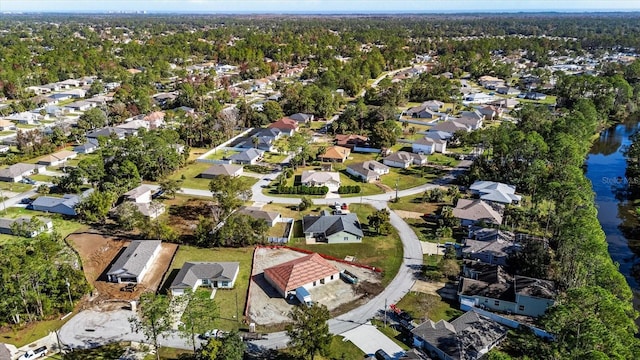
{"type": "Point", "coordinates": [198, 185]}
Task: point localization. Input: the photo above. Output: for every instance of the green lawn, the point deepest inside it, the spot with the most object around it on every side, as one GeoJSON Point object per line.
{"type": "Point", "coordinates": [365, 188]}
{"type": "Point", "coordinates": [381, 251]}
{"type": "Point", "coordinates": [225, 299]}
{"type": "Point", "coordinates": [441, 159]}
{"type": "Point", "coordinates": [60, 225]}
{"type": "Point", "coordinates": [221, 155]}
{"type": "Point", "coordinates": [274, 158]}
{"type": "Point", "coordinates": [393, 334]}
{"type": "Point", "coordinates": [414, 203]}
{"type": "Point", "coordinates": [25, 126]}
{"type": "Point", "coordinates": [421, 305]}
{"type": "Point", "coordinates": [32, 332]}
{"type": "Point", "coordinates": [15, 186]}
{"type": "Point", "coordinates": [191, 181]}
{"type": "Point", "coordinates": [39, 177]}
{"type": "Point", "coordinates": [7, 132]}
{"type": "Point", "coordinates": [408, 178]}
{"type": "Point", "coordinates": [360, 157]}
{"type": "Point", "coordinates": [460, 150]}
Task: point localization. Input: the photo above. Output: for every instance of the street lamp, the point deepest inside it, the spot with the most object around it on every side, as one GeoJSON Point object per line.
{"type": "Point", "coordinates": [69, 292]}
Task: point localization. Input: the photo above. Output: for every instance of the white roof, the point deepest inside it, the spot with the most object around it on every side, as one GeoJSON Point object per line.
{"type": "Point", "coordinates": [319, 176]}
{"type": "Point", "coordinates": [495, 191]}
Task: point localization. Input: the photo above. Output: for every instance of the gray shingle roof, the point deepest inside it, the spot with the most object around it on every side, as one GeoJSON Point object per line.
{"type": "Point", "coordinates": [462, 338]}
{"type": "Point", "coordinates": [191, 272]}
{"type": "Point", "coordinates": [134, 258]}
{"type": "Point", "coordinates": [248, 155]}
{"type": "Point", "coordinates": [221, 169]}
{"type": "Point", "coordinates": [256, 213]}
{"type": "Point", "coordinates": [18, 169]}
{"type": "Point", "coordinates": [332, 224]}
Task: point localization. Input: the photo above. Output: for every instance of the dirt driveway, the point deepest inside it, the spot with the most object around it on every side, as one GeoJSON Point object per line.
{"type": "Point", "coordinates": [266, 307]}
{"type": "Point", "coordinates": [99, 251]}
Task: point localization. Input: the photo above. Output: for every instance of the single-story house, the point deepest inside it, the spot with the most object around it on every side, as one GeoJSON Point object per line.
{"type": "Point", "coordinates": [468, 337]}
{"type": "Point", "coordinates": [7, 125]}
{"type": "Point", "coordinates": [57, 158]}
{"type": "Point", "coordinates": [4, 149]}
{"type": "Point", "coordinates": [428, 145]}
{"type": "Point", "coordinates": [107, 132]}
{"type": "Point", "coordinates": [285, 125]}
{"type": "Point", "coordinates": [478, 98]}
{"type": "Point", "coordinates": [493, 251]}
{"type": "Point", "coordinates": [351, 140]}
{"type": "Point", "coordinates": [403, 159]}
{"type": "Point", "coordinates": [471, 212]}
{"type": "Point", "coordinates": [76, 93]}
{"type": "Point", "coordinates": [134, 262]}
{"type": "Point", "coordinates": [155, 119]}
{"type": "Point", "coordinates": [64, 205]}
{"type": "Point", "coordinates": [87, 148]}
{"type": "Point", "coordinates": [141, 198]}
{"type": "Point", "coordinates": [301, 117]}
{"type": "Point", "coordinates": [450, 126]}
{"type": "Point", "coordinates": [368, 171]}
{"type": "Point", "coordinates": [490, 112]}
{"type": "Point", "coordinates": [332, 229]}
{"type": "Point", "coordinates": [490, 82]}
{"type": "Point", "coordinates": [507, 90]}
{"type": "Point", "coordinates": [221, 169]}
{"type": "Point", "coordinates": [270, 217]}
{"type": "Point", "coordinates": [32, 226]}
{"type": "Point", "coordinates": [494, 290]}
{"type": "Point", "coordinates": [308, 271]}
{"type": "Point", "coordinates": [25, 117]}
{"type": "Point", "coordinates": [496, 192]}
{"type": "Point", "coordinates": [140, 194]}
{"type": "Point", "coordinates": [335, 154]}
{"type": "Point", "coordinates": [132, 126]}
{"type": "Point", "coordinates": [81, 105]}
{"type": "Point", "coordinates": [320, 178]}
{"type": "Point", "coordinates": [217, 275]}
{"type": "Point", "coordinates": [505, 103]}
{"type": "Point", "coordinates": [17, 172]}
{"type": "Point", "coordinates": [247, 157]}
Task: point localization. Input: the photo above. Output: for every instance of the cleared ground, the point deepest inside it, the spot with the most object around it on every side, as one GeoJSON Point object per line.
{"type": "Point", "coordinates": [98, 253]}
{"type": "Point", "coordinates": [266, 307]}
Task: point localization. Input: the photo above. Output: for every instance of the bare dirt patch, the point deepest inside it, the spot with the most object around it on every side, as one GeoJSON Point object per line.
{"type": "Point", "coordinates": [184, 216]}
{"type": "Point", "coordinates": [427, 287]}
{"type": "Point", "coordinates": [266, 307]}
{"type": "Point", "coordinates": [99, 251]}
{"type": "Point", "coordinates": [409, 214]}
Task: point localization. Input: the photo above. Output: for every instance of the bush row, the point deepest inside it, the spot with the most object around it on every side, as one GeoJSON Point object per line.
{"type": "Point", "coordinates": [349, 189]}
{"type": "Point", "coordinates": [304, 190]}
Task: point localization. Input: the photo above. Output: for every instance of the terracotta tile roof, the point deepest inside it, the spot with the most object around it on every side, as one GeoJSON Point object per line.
{"type": "Point", "coordinates": [342, 139]}
{"type": "Point", "coordinates": [295, 273]}
{"type": "Point", "coordinates": [285, 123]}
{"type": "Point", "coordinates": [336, 152]}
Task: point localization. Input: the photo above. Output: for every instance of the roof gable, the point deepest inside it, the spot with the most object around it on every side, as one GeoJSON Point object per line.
{"type": "Point", "coordinates": [298, 272]}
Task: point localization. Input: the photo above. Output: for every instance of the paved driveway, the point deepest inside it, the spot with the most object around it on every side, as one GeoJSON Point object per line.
{"type": "Point", "coordinates": [369, 339]}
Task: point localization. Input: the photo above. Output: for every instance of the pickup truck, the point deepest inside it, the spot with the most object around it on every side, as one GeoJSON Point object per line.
{"type": "Point", "coordinates": [32, 354]}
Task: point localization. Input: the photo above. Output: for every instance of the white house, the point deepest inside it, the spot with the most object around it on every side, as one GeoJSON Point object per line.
{"type": "Point", "coordinates": [216, 275]}
{"type": "Point", "coordinates": [403, 159]}
{"type": "Point", "coordinates": [428, 145]}
{"type": "Point", "coordinates": [134, 262]}
{"type": "Point", "coordinates": [320, 178]}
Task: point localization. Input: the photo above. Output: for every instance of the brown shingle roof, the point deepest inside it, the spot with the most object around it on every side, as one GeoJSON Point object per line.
{"type": "Point", "coordinates": [295, 273]}
{"type": "Point", "coordinates": [285, 123]}
{"type": "Point", "coordinates": [336, 152]}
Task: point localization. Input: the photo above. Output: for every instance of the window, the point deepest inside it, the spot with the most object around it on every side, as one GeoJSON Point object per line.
{"type": "Point", "coordinates": [346, 238]}
{"type": "Point", "coordinates": [225, 284]}
{"type": "Point", "coordinates": [331, 277]}
{"type": "Point", "coordinates": [521, 308]}
{"type": "Point", "coordinates": [314, 283]}
{"type": "Point", "coordinates": [496, 303]}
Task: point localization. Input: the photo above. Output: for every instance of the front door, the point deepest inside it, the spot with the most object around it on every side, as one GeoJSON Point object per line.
{"type": "Point", "coordinates": [215, 284]}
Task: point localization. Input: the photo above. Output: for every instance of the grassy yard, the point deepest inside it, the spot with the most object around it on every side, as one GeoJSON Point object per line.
{"type": "Point", "coordinates": [393, 334]}
{"type": "Point", "coordinates": [460, 150]}
{"type": "Point", "coordinates": [191, 181]}
{"type": "Point", "coordinates": [221, 155]}
{"type": "Point", "coordinates": [366, 189]}
{"type": "Point", "coordinates": [39, 177]}
{"type": "Point", "coordinates": [274, 158]}
{"type": "Point", "coordinates": [381, 251]}
{"type": "Point", "coordinates": [225, 299]}
{"type": "Point", "coordinates": [61, 226]}
{"type": "Point", "coordinates": [7, 132]}
{"type": "Point", "coordinates": [360, 157]}
{"type": "Point", "coordinates": [421, 305]}
{"type": "Point", "coordinates": [408, 178]}
{"type": "Point", "coordinates": [414, 203]}
{"type": "Point", "coordinates": [441, 159]}
{"type": "Point", "coordinates": [32, 332]}
{"type": "Point", "coordinates": [15, 187]}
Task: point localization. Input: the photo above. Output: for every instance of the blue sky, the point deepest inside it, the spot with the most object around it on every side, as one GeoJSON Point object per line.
{"type": "Point", "coordinates": [196, 6]}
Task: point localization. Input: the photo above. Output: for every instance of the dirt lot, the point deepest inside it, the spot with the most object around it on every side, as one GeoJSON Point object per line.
{"type": "Point", "coordinates": [184, 214]}
{"type": "Point", "coordinates": [408, 214]}
{"type": "Point", "coordinates": [266, 307]}
{"type": "Point", "coordinates": [98, 252]}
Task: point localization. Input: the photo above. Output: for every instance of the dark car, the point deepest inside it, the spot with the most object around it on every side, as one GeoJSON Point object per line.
{"type": "Point", "coordinates": [131, 287]}
{"type": "Point", "coordinates": [26, 200]}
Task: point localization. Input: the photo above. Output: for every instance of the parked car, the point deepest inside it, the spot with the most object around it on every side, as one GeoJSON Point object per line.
{"type": "Point", "coordinates": [28, 181]}
{"type": "Point", "coordinates": [26, 200]}
{"type": "Point", "coordinates": [32, 354]}
{"type": "Point", "coordinates": [209, 334]}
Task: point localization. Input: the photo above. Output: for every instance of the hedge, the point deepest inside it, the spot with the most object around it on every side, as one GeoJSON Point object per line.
{"type": "Point", "coordinates": [349, 189]}
{"type": "Point", "coordinates": [303, 190]}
